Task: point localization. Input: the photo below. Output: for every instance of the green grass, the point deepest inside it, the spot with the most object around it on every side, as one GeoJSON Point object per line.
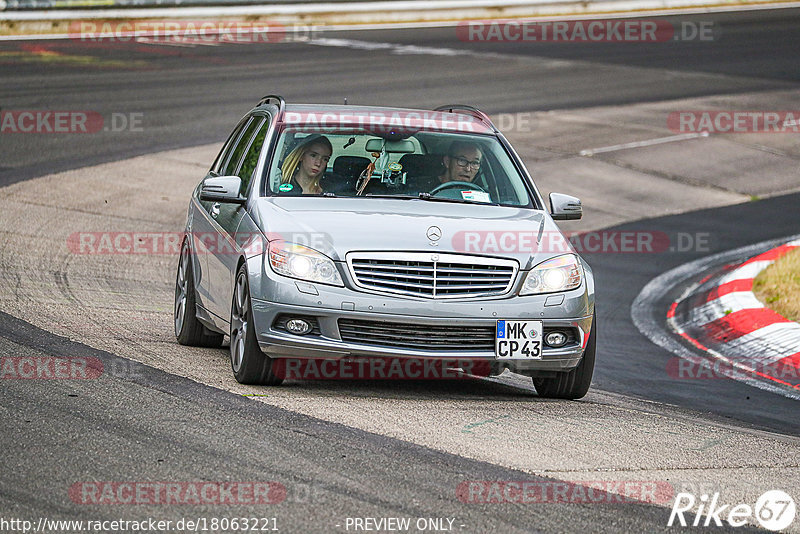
{"type": "Point", "coordinates": [778, 286]}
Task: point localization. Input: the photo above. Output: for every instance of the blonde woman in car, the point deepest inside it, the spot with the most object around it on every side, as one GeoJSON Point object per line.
{"type": "Point", "coordinates": [305, 165]}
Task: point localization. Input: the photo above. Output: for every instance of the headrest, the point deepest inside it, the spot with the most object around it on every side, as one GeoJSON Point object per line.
{"type": "Point", "coordinates": [422, 164]}
{"type": "Point", "coordinates": [350, 165]}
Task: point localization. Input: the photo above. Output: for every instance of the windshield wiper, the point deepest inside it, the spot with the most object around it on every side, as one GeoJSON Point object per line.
{"type": "Point", "coordinates": [427, 196]}
{"type": "Point", "coordinates": [399, 197]}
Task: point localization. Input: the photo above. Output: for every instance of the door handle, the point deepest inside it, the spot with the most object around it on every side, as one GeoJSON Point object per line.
{"type": "Point", "coordinates": [215, 210]}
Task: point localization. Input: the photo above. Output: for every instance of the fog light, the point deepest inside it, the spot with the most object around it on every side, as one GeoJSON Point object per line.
{"type": "Point", "coordinates": [298, 326]}
{"type": "Point", "coordinates": [556, 339]}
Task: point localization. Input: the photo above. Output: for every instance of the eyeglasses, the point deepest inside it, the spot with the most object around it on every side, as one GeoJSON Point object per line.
{"type": "Point", "coordinates": [463, 162]}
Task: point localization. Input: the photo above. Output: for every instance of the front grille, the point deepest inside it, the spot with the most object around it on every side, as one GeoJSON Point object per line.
{"type": "Point", "coordinates": [418, 336]}
{"type": "Point", "coordinates": [432, 275]}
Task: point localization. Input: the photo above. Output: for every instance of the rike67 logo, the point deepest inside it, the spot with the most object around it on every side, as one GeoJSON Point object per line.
{"type": "Point", "coordinates": [774, 510]}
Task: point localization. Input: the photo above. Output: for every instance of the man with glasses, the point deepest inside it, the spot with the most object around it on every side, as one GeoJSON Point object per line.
{"type": "Point", "coordinates": [462, 162]}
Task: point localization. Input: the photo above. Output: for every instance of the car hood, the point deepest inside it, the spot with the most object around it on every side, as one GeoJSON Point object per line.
{"type": "Point", "coordinates": [336, 226]}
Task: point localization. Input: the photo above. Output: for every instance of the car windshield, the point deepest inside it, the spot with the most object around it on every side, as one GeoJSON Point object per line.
{"type": "Point", "coordinates": [425, 165]}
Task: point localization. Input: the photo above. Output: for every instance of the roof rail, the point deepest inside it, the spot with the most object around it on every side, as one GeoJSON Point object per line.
{"type": "Point", "coordinates": [276, 99]}
{"type": "Point", "coordinates": [470, 110]}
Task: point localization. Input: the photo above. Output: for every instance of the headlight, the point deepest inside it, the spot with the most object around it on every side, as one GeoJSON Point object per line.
{"type": "Point", "coordinates": [297, 261]}
{"type": "Point", "coordinates": [558, 274]}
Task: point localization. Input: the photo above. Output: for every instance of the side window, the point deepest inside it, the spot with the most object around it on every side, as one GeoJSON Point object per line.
{"type": "Point", "coordinates": [241, 146]}
{"type": "Point", "coordinates": [251, 157]}
{"type": "Point", "coordinates": [222, 158]}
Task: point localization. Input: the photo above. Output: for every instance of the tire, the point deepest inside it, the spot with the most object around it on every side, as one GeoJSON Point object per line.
{"type": "Point", "coordinates": [188, 329]}
{"type": "Point", "coordinates": [572, 384]}
{"type": "Point", "coordinates": [249, 364]}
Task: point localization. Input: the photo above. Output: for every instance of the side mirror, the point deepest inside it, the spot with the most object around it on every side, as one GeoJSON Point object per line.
{"type": "Point", "coordinates": [565, 207]}
{"type": "Point", "coordinates": [222, 189]}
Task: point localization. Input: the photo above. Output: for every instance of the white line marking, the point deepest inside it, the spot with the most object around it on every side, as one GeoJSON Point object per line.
{"type": "Point", "coordinates": [639, 144]}
{"type": "Point", "coordinates": [159, 42]}
{"type": "Point", "coordinates": [401, 49]}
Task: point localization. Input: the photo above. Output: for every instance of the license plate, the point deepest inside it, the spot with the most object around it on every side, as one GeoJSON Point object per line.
{"type": "Point", "coordinates": [518, 340]}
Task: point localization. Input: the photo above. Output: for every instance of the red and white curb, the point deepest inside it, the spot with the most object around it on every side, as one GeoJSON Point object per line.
{"type": "Point", "coordinates": [702, 357]}
{"type": "Point", "coordinates": [721, 316]}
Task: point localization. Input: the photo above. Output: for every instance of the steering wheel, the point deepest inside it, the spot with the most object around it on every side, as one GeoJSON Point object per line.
{"type": "Point", "coordinates": [456, 185]}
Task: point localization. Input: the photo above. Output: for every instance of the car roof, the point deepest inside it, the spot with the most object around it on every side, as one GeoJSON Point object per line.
{"type": "Point", "coordinates": [458, 120]}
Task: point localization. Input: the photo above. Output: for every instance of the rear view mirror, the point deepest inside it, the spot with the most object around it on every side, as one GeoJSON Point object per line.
{"type": "Point", "coordinates": [403, 146]}
{"type": "Point", "coordinates": [222, 189]}
{"type": "Point", "coordinates": [565, 207]}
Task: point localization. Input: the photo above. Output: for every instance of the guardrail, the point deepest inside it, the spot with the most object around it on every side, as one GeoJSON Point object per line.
{"type": "Point", "coordinates": [24, 5]}
{"type": "Point", "coordinates": [31, 17]}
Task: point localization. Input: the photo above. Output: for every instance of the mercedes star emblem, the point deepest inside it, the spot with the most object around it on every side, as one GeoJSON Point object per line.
{"type": "Point", "coordinates": [434, 233]}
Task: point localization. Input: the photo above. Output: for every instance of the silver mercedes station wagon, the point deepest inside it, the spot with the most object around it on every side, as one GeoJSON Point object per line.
{"type": "Point", "coordinates": [361, 234]}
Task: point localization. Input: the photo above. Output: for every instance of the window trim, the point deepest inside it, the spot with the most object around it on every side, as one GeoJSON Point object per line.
{"type": "Point", "coordinates": [216, 165]}
{"type": "Point", "coordinates": [263, 124]}
{"type": "Point", "coordinates": [239, 131]}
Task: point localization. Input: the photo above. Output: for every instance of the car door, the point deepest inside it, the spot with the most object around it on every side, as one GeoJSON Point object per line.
{"type": "Point", "coordinates": [226, 216]}
{"type": "Point", "coordinates": [204, 231]}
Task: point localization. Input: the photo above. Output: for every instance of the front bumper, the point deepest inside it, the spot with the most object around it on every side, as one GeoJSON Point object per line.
{"type": "Point", "coordinates": [330, 304]}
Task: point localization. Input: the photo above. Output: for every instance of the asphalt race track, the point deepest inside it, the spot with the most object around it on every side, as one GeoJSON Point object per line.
{"type": "Point", "coordinates": [188, 95]}
{"type": "Point", "coordinates": [163, 413]}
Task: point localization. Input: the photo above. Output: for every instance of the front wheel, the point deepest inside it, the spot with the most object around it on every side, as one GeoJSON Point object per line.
{"type": "Point", "coordinates": [573, 384]}
{"type": "Point", "coordinates": [249, 364]}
